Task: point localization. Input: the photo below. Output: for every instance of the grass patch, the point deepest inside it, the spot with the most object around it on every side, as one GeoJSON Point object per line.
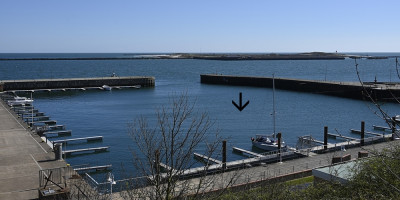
{"type": "Point", "coordinates": [300, 181]}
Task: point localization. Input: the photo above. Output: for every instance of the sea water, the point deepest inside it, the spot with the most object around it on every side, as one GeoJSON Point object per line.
{"type": "Point", "coordinates": [109, 113]}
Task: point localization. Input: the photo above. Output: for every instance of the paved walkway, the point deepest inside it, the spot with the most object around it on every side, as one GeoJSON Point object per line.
{"type": "Point", "coordinates": [22, 155]}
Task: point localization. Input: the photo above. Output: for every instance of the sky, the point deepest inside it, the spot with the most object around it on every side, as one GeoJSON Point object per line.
{"type": "Point", "coordinates": [183, 26]}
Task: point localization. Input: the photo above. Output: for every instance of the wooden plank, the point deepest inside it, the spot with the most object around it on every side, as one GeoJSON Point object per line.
{"type": "Point", "coordinates": [370, 133]}
{"type": "Point", "coordinates": [341, 136]}
{"type": "Point", "coordinates": [206, 158]}
{"type": "Point", "coordinates": [87, 149]}
{"type": "Point", "coordinates": [77, 139]}
{"type": "Point", "coordinates": [247, 152]}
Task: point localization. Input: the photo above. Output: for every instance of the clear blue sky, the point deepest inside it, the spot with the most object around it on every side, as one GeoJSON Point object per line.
{"type": "Point", "coordinates": [83, 26]}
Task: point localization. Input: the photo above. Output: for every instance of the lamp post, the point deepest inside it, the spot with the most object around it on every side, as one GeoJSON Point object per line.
{"type": "Point", "coordinates": [110, 178]}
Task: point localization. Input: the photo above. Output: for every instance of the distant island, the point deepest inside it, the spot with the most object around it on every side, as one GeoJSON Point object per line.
{"type": "Point", "coordinates": [220, 56]}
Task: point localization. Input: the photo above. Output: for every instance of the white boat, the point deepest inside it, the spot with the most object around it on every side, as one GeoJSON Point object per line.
{"type": "Point", "coordinates": [19, 101]}
{"type": "Point", "coordinates": [106, 88]}
{"type": "Point", "coordinates": [269, 142]}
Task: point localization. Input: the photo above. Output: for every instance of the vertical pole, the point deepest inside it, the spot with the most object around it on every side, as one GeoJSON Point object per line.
{"type": "Point", "coordinates": [58, 151]}
{"type": "Point", "coordinates": [279, 146]}
{"type": "Point", "coordinates": [393, 127]}
{"type": "Point", "coordinates": [325, 138]}
{"type": "Point", "coordinates": [32, 109]}
{"type": "Point", "coordinates": [362, 132]}
{"type": "Point", "coordinates": [224, 155]}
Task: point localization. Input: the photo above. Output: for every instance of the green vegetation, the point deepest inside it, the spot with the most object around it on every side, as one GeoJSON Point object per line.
{"type": "Point", "coordinates": [300, 181]}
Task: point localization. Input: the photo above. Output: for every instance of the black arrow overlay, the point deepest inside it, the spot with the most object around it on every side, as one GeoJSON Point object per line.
{"type": "Point", "coordinates": [240, 107]}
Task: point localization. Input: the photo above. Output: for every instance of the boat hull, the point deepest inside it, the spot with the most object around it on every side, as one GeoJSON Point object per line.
{"type": "Point", "coordinates": [266, 147]}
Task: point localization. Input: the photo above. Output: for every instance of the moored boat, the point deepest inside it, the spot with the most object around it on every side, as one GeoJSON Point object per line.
{"type": "Point", "coordinates": [19, 101]}
{"type": "Point", "coordinates": [106, 88]}
{"type": "Point", "coordinates": [269, 142]}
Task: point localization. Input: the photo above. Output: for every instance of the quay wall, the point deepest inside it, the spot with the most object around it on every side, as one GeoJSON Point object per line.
{"type": "Point", "coordinates": [352, 90]}
{"type": "Point", "coordinates": [75, 83]}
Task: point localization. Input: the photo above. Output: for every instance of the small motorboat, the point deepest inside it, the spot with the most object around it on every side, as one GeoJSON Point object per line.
{"type": "Point", "coordinates": [106, 88]}
{"type": "Point", "coordinates": [19, 101]}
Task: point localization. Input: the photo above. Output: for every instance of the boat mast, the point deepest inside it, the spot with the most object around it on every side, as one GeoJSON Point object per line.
{"type": "Point", "coordinates": [273, 102]}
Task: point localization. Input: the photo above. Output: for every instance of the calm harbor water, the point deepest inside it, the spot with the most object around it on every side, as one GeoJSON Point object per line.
{"type": "Point", "coordinates": [90, 113]}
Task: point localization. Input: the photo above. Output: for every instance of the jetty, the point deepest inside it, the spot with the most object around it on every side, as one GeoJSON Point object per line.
{"type": "Point", "coordinates": [23, 156]}
{"type": "Point", "coordinates": [95, 149]}
{"type": "Point", "coordinates": [370, 133]}
{"type": "Point", "coordinates": [93, 168]}
{"type": "Point", "coordinates": [243, 151]}
{"type": "Point", "coordinates": [206, 158]}
{"type": "Point", "coordinates": [332, 135]}
{"type": "Point", "coordinates": [58, 133]}
{"type": "Point", "coordinates": [93, 138]}
{"type": "Point", "coordinates": [378, 90]}
{"type": "Point", "coordinates": [75, 83]}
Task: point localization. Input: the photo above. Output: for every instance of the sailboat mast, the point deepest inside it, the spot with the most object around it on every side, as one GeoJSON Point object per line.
{"type": "Point", "coordinates": [273, 102]}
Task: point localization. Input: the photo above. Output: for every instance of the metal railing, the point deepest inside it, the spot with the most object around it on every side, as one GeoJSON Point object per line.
{"type": "Point", "coordinates": [55, 176]}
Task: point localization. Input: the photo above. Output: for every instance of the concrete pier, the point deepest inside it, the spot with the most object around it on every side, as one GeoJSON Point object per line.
{"type": "Point", "coordinates": [354, 90]}
{"type": "Point", "coordinates": [22, 155]}
{"type": "Point", "coordinates": [78, 83]}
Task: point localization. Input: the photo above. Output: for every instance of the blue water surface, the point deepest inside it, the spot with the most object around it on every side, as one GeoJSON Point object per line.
{"type": "Point", "coordinates": [90, 113]}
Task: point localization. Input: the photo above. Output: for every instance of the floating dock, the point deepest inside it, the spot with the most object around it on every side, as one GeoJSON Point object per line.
{"type": "Point", "coordinates": [93, 138]}
{"type": "Point", "coordinates": [75, 83]}
{"type": "Point", "coordinates": [370, 133]}
{"type": "Point", "coordinates": [58, 133]}
{"type": "Point", "coordinates": [206, 158]}
{"type": "Point", "coordinates": [242, 151]}
{"type": "Point", "coordinates": [95, 168]}
{"type": "Point", "coordinates": [332, 135]}
{"type": "Point", "coordinates": [312, 140]}
{"type": "Point", "coordinates": [382, 128]}
{"type": "Point", "coordinates": [42, 122]}
{"type": "Point", "coordinates": [95, 149]}
{"type": "Point", "coordinates": [378, 90]}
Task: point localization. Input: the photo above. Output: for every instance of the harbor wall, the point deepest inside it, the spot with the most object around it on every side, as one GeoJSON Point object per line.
{"type": "Point", "coordinates": [76, 83]}
{"type": "Point", "coordinates": [342, 89]}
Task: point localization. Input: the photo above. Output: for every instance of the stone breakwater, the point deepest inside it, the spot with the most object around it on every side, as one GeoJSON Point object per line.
{"type": "Point", "coordinates": [355, 90]}
{"type": "Point", "coordinates": [37, 84]}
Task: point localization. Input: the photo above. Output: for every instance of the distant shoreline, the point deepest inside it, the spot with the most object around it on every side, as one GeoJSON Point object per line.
{"type": "Point", "coordinates": [221, 56]}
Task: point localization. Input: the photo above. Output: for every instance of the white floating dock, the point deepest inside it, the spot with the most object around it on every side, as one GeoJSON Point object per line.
{"type": "Point", "coordinates": [96, 168]}
{"type": "Point", "coordinates": [247, 152]}
{"type": "Point", "coordinates": [96, 149]}
{"type": "Point", "coordinates": [58, 133]}
{"type": "Point", "coordinates": [43, 122]}
{"type": "Point", "coordinates": [78, 139]}
{"type": "Point", "coordinates": [313, 140]}
{"type": "Point", "coordinates": [366, 132]}
{"type": "Point", "coordinates": [341, 136]}
{"type": "Point", "coordinates": [382, 128]}
{"type": "Point", "coordinates": [35, 118]}
{"type": "Point", "coordinates": [206, 158]}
